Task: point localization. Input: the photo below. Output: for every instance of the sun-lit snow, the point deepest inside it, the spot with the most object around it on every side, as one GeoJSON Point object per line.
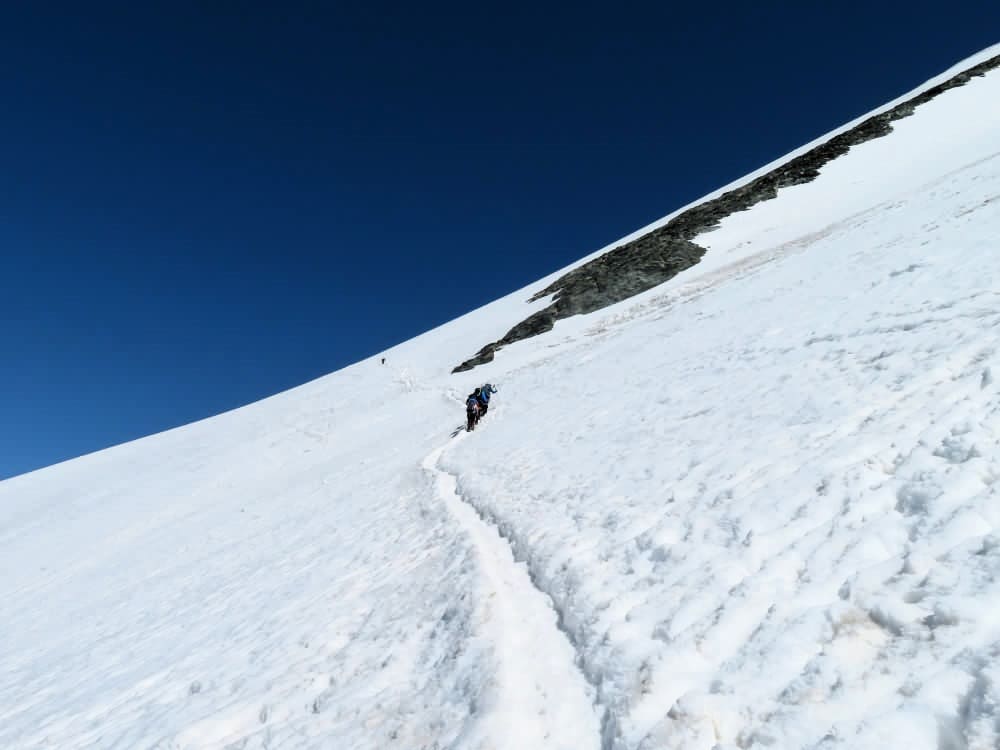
{"type": "Point", "coordinates": [753, 507]}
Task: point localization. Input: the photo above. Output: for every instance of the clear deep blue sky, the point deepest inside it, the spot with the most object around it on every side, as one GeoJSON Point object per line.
{"type": "Point", "coordinates": [202, 206]}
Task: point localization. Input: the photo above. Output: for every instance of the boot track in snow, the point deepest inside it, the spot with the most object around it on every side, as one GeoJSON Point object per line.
{"type": "Point", "coordinates": [538, 697]}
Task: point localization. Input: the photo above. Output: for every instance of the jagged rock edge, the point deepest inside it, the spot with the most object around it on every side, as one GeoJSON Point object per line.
{"type": "Point", "coordinates": [662, 253]}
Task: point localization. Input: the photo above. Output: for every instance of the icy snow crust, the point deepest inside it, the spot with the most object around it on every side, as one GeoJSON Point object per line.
{"type": "Point", "coordinates": [753, 507]}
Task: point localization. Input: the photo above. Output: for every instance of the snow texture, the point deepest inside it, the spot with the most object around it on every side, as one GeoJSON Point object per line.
{"type": "Point", "coordinates": [753, 507]}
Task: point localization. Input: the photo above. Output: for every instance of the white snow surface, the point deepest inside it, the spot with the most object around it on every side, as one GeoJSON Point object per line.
{"type": "Point", "coordinates": [755, 507]}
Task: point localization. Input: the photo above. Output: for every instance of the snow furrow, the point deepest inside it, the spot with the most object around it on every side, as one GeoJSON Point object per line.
{"type": "Point", "coordinates": [537, 697]}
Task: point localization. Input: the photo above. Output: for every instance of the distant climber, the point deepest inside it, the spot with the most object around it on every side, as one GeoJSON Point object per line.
{"type": "Point", "coordinates": [484, 398]}
{"type": "Point", "coordinates": [383, 360]}
{"type": "Point", "coordinates": [472, 410]}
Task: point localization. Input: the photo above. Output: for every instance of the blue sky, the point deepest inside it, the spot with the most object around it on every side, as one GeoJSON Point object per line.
{"type": "Point", "coordinates": [204, 206]}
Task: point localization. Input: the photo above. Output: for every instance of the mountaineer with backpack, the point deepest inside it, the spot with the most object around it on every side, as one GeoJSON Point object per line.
{"type": "Point", "coordinates": [484, 398]}
{"type": "Point", "coordinates": [472, 410]}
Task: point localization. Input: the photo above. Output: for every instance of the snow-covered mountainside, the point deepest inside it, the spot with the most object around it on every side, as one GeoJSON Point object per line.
{"type": "Point", "coordinates": [754, 506]}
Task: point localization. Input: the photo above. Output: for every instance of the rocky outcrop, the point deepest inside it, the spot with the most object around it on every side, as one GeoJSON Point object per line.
{"type": "Point", "coordinates": [662, 253]}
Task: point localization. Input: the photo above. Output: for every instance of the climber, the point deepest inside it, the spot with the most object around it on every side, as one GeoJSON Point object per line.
{"type": "Point", "coordinates": [484, 398]}
{"type": "Point", "coordinates": [472, 410]}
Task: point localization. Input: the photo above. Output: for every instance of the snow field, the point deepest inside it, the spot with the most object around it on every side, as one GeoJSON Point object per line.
{"type": "Point", "coordinates": [268, 579]}
{"type": "Point", "coordinates": [767, 507]}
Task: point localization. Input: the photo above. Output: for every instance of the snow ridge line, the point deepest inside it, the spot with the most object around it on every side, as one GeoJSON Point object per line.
{"type": "Point", "coordinates": [541, 697]}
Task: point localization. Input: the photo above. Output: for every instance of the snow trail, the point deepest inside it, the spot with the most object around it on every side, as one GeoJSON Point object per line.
{"type": "Point", "coordinates": [537, 696]}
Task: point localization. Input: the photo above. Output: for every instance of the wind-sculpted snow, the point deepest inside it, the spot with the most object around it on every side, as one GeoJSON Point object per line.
{"type": "Point", "coordinates": [753, 507]}
{"type": "Point", "coordinates": [660, 254]}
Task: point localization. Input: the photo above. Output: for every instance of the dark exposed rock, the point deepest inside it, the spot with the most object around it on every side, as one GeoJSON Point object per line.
{"type": "Point", "coordinates": [662, 253]}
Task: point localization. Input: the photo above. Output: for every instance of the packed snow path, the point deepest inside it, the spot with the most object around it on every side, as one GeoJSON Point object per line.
{"type": "Point", "coordinates": [537, 698]}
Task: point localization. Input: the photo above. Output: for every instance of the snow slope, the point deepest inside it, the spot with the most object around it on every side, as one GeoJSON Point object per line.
{"type": "Point", "coordinates": [753, 507]}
